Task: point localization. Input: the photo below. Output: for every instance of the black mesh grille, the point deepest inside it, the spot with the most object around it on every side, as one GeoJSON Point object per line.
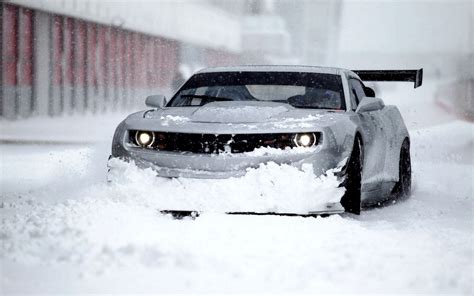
{"type": "Point", "coordinates": [211, 143]}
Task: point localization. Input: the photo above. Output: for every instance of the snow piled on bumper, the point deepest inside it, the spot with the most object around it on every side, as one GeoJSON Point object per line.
{"type": "Point", "coordinates": [268, 188]}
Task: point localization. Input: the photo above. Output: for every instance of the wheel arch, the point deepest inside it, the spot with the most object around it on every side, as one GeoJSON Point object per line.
{"type": "Point", "coordinates": [406, 139]}
{"type": "Point", "coordinates": [358, 135]}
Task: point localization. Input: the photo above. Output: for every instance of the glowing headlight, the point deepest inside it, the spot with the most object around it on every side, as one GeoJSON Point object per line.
{"type": "Point", "coordinates": [305, 140]}
{"type": "Point", "coordinates": [144, 139]}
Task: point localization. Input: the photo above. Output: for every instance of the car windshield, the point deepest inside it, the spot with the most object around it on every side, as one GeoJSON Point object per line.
{"type": "Point", "coordinates": [301, 90]}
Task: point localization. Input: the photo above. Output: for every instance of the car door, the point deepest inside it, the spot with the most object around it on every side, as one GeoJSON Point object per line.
{"type": "Point", "coordinates": [376, 129]}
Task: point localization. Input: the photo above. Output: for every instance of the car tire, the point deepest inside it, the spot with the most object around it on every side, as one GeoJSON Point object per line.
{"type": "Point", "coordinates": [402, 188]}
{"type": "Point", "coordinates": [351, 200]}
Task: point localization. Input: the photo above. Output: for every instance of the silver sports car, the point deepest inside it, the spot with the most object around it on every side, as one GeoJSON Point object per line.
{"type": "Point", "coordinates": [323, 116]}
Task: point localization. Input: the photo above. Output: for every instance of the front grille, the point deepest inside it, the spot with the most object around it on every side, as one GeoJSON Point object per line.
{"type": "Point", "coordinates": [214, 144]}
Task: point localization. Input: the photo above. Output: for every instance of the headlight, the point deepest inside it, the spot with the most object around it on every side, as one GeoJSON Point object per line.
{"type": "Point", "coordinates": [144, 139]}
{"type": "Point", "coordinates": [305, 140]}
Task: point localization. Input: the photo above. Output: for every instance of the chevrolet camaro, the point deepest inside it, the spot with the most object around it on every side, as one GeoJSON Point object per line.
{"type": "Point", "coordinates": [328, 115]}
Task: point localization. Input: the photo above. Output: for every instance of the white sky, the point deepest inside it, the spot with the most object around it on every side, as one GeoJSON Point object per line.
{"type": "Point", "coordinates": [407, 26]}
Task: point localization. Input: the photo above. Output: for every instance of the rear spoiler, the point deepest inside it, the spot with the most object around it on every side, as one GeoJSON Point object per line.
{"type": "Point", "coordinates": [415, 76]}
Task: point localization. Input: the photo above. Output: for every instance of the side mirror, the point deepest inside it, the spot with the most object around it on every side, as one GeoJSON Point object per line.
{"type": "Point", "coordinates": [370, 104]}
{"type": "Point", "coordinates": [369, 92]}
{"type": "Point", "coordinates": [156, 101]}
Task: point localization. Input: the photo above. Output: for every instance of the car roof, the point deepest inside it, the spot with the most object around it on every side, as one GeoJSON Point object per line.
{"type": "Point", "coordinates": [275, 68]}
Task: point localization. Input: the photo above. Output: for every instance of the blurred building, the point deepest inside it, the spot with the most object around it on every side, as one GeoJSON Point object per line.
{"type": "Point", "coordinates": [265, 37]}
{"type": "Point", "coordinates": [73, 56]}
{"type": "Point", "coordinates": [314, 27]}
{"type": "Point", "coordinates": [66, 56]}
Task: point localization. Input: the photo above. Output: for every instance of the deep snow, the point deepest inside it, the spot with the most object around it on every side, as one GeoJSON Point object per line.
{"type": "Point", "coordinates": [268, 188]}
{"type": "Point", "coordinates": [65, 230]}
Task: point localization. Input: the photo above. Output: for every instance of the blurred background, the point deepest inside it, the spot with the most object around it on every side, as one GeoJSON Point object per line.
{"type": "Point", "coordinates": [66, 57]}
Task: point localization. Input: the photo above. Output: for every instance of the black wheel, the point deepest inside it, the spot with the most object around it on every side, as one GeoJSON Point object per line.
{"type": "Point", "coordinates": [402, 188]}
{"type": "Point", "coordinates": [352, 179]}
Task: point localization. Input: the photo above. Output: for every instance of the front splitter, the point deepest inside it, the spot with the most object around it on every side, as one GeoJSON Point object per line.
{"type": "Point", "coordinates": [178, 214]}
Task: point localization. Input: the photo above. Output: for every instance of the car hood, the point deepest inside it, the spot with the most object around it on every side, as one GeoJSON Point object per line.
{"type": "Point", "coordinates": [234, 117]}
{"type": "Point", "coordinates": [237, 112]}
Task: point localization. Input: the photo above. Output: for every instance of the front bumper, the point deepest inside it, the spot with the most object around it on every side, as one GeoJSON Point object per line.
{"type": "Point", "coordinates": [220, 166]}
{"type": "Point", "coordinates": [168, 164]}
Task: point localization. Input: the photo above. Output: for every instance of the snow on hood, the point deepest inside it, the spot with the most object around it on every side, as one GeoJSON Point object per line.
{"type": "Point", "coordinates": [236, 117]}
{"type": "Point", "coordinates": [238, 112]}
{"type": "Point", "coordinates": [167, 119]}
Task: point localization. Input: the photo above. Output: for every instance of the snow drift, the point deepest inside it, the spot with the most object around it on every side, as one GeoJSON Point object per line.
{"type": "Point", "coordinates": [269, 188]}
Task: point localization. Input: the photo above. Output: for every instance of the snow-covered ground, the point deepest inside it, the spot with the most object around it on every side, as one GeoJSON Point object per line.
{"type": "Point", "coordinates": [65, 230]}
{"type": "Point", "coordinates": [68, 129]}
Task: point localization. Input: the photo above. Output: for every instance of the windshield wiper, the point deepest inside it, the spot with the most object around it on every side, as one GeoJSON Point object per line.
{"type": "Point", "coordinates": [207, 97]}
{"type": "Point", "coordinates": [311, 107]}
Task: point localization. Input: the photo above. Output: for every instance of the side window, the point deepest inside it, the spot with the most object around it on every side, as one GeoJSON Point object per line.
{"type": "Point", "coordinates": [357, 92]}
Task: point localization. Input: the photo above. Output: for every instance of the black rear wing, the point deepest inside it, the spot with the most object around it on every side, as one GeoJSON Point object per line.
{"type": "Point", "coordinates": [415, 76]}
